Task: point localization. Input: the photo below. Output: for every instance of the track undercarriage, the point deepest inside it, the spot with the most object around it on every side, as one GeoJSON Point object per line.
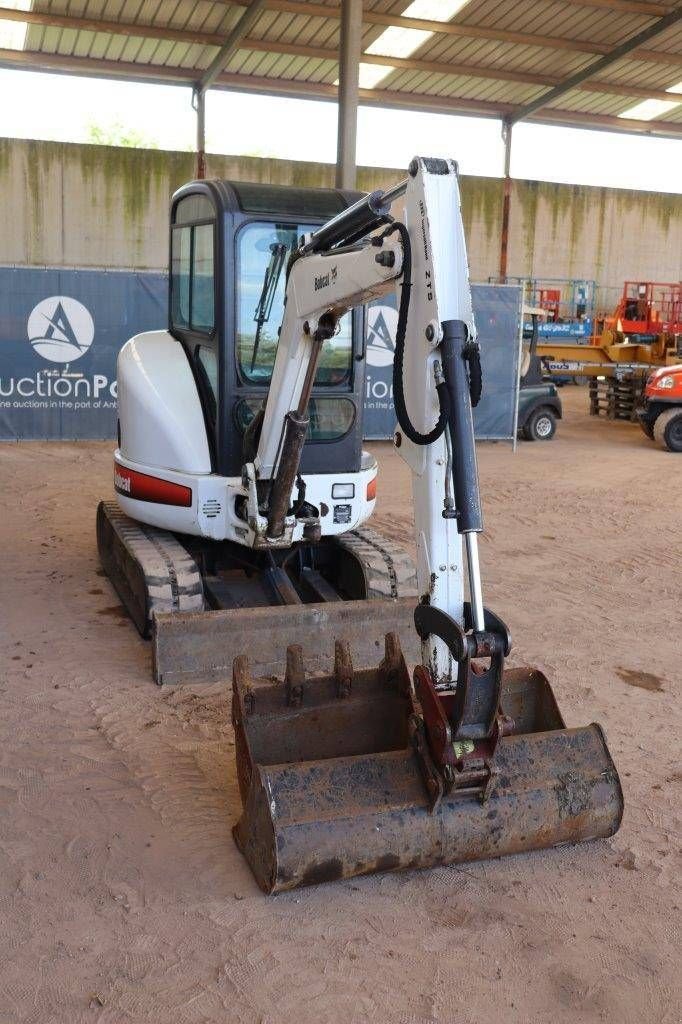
{"type": "Point", "coordinates": [204, 603]}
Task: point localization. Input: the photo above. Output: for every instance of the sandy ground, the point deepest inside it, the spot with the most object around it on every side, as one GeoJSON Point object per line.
{"type": "Point", "coordinates": [123, 897]}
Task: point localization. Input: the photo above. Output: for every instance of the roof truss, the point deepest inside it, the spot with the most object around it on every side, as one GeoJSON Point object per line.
{"type": "Point", "coordinates": [314, 90]}
{"type": "Point", "coordinates": [540, 107]}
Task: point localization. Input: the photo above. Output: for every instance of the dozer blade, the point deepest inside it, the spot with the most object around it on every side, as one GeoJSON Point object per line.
{"type": "Point", "coordinates": [332, 784]}
{"type": "Point", "coordinates": [201, 647]}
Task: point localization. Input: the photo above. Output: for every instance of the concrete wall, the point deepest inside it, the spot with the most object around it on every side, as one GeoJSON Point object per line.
{"type": "Point", "coordinates": [93, 206]}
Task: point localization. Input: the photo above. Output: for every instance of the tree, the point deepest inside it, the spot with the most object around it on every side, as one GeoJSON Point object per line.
{"type": "Point", "coordinates": [116, 134]}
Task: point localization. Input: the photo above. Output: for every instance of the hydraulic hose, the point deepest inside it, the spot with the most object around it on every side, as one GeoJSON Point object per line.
{"type": "Point", "coordinates": [402, 414]}
{"type": "Point", "coordinates": [472, 355]}
{"type": "Point", "coordinates": [455, 356]}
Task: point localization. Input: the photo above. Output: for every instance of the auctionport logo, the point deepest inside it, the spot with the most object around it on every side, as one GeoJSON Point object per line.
{"type": "Point", "coordinates": [382, 322]}
{"type": "Point", "coordinates": [60, 329]}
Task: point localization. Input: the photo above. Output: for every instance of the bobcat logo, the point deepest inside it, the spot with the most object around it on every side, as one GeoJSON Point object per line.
{"type": "Point", "coordinates": [324, 280]}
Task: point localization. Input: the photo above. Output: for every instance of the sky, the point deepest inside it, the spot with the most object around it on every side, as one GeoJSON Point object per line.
{"type": "Point", "coordinates": [63, 108]}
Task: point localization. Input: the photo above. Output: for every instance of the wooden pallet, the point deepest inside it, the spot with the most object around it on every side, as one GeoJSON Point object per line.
{"type": "Point", "coordinates": [616, 398]}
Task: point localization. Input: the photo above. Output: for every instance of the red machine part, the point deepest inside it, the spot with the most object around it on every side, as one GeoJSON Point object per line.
{"type": "Point", "coordinates": [464, 764]}
{"type": "Point", "coordinates": [143, 487]}
{"type": "Point", "coordinates": [550, 299]}
{"type": "Point", "coordinates": [665, 383]}
{"type": "Point", "coordinates": [649, 307]}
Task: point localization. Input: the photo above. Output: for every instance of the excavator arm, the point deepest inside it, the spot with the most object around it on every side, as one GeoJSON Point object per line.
{"type": "Point", "coordinates": [321, 287]}
{"type": "Point", "coordinates": [368, 769]}
{"type": "Point", "coordinates": [363, 254]}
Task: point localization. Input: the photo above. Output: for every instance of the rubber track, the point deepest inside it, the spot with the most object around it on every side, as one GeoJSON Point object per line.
{"type": "Point", "coordinates": [389, 570]}
{"type": "Point", "coordinates": [150, 569]}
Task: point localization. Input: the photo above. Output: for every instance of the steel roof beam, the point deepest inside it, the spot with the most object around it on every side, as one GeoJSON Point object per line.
{"type": "Point", "coordinates": [231, 44]}
{"type": "Point", "coordinates": [320, 53]}
{"type": "Point", "coordinates": [454, 28]}
{"type": "Point", "coordinates": [575, 81]}
{"type": "Point", "coordinates": [645, 8]}
{"type": "Point", "coordinates": [138, 30]}
{"type": "Point", "coordinates": [145, 30]}
{"type": "Point", "coordinates": [35, 60]}
{"type": "Point", "coordinates": [468, 70]}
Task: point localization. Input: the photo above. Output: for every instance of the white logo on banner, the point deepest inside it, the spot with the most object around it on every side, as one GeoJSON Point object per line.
{"type": "Point", "coordinates": [60, 329]}
{"type": "Point", "coordinates": [382, 322]}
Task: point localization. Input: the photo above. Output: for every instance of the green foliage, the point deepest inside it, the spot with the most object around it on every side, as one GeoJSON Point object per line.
{"type": "Point", "coordinates": [116, 134]}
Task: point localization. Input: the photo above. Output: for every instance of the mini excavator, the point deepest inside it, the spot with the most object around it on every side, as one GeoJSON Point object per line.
{"type": "Point", "coordinates": [361, 767]}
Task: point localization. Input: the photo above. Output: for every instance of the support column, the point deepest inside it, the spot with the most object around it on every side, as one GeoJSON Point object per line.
{"type": "Point", "coordinates": [199, 104]}
{"type": "Point", "coordinates": [222, 58]}
{"type": "Point", "coordinates": [506, 202]}
{"type": "Point", "coordinates": [349, 62]}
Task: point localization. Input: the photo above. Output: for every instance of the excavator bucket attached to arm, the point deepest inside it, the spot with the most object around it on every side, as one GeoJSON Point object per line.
{"type": "Point", "coordinates": [336, 779]}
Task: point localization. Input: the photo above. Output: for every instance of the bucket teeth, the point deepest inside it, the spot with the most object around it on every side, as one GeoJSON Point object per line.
{"type": "Point", "coordinates": [393, 661]}
{"type": "Point", "coordinates": [343, 668]}
{"type": "Point", "coordinates": [294, 678]}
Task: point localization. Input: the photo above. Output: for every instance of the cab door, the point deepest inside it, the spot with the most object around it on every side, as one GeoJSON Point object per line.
{"type": "Point", "coordinates": [192, 303]}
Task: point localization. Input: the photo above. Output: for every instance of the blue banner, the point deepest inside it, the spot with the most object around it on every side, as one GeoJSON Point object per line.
{"type": "Point", "coordinates": [60, 334]}
{"type": "Point", "coordinates": [497, 312]}
{"type": "Point", "coordinates": [61, 331]}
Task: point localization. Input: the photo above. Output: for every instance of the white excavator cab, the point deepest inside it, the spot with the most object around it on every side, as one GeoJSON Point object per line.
{"type": "Point", "coordinates": [190, 408]}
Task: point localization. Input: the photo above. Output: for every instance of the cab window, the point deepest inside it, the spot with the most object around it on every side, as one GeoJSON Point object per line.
{"type": "Point", "coordinates": [330, 418]}
{"type": "Point", "coordinates": [181, 251]}
{"type": "Point", "coordinates": [202, 279]}
{"type": "Point", "coordinates": [192, 277]}
{"type": "Point", "coordinates": [262, 253]}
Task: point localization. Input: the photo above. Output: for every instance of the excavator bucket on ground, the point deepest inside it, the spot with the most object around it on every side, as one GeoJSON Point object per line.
{"type": "Point", "coordinates": [337, 779]}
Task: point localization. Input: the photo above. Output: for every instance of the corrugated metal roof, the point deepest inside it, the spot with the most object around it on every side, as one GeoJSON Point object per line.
{"type": "Point", "coordinates": [494, 57]}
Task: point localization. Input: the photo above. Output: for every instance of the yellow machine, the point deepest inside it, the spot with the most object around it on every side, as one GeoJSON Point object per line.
{"type": "Point", "coordinates": [610, 355]}
{"type": "Point", "coordinates": [643, 333]}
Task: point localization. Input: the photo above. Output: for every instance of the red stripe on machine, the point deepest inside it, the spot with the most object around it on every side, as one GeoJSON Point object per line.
{"type": "Point", "coordinates": [143, 487]}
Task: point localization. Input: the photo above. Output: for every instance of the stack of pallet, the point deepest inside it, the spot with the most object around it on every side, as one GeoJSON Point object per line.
{"type": "Point", "coordinates": [616, 397]}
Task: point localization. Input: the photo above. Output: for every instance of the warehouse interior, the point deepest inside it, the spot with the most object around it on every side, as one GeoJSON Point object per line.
{"type": "Point", "coordinates": [168, 845]}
